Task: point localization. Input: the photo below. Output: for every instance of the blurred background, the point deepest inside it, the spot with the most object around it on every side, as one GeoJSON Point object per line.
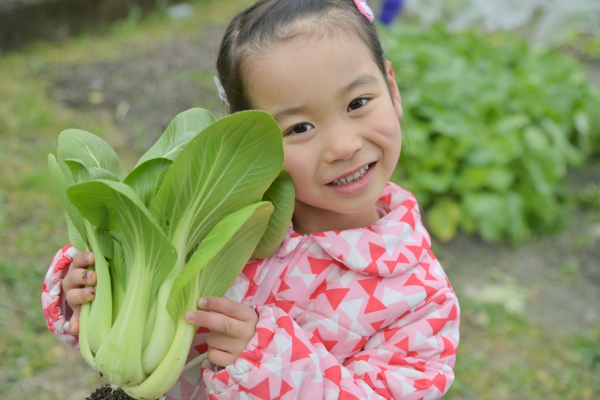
{"type": "Point", "coordinates": [501, 146]}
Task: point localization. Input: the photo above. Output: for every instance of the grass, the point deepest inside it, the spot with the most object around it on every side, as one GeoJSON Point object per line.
{"type": "Point", "coordinates": [502, 355]}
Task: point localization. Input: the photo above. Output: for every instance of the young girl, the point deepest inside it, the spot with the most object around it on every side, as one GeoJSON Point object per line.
{"type": "Point", "coordinates": [353, 304]}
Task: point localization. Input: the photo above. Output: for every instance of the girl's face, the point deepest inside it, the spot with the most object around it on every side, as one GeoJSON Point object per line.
{"type": "Point", "coordinates": [342, 136]}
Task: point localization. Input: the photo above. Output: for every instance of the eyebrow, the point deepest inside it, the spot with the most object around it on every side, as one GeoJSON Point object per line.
{"type": "Point", "coordinates": [364, 80]}
{"type": "Point", "coordinates": [290, 111]}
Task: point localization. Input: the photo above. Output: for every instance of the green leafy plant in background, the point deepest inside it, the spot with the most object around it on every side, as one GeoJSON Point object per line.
{"type": "Point", "coordinates": [491, 127]}
{"type": "Point", "coordinates": [590, 195]}
{"type": "Point", "coordinates": [203, 200]}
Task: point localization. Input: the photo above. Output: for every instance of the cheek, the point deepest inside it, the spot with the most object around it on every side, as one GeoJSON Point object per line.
{"type": "Point", "coordinates": [296, 164]}
{"type": "Point", "coordinates": [301, 162]}
{"type": "Point", "coordinates": [396, 139]}
{"type": "Point", "coordinates": [388, 135]}
{"type": "Point", "coordinates": [391, 126]}
{"type": "Point", "coordinates": [289, 161]}
{"type": "Point", "coordinates": [394, 147]}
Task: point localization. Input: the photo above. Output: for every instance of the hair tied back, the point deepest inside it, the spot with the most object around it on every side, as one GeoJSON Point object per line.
{"type": "Point", "coordinates": [364, 9]}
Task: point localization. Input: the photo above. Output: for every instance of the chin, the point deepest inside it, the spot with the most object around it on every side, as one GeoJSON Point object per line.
{"type": "Point", "coordinates": [355, 205]}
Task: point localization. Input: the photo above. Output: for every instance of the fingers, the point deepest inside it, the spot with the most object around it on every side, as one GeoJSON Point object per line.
{"type": "Point", "coordinates": [74, 322]}
{"type": "Point", "coordinates": [78, 276]}
{"type": "Point", "coordinates": [221, 358]}
{"type": "Point", "coordinates": [217, 322]}
{"type": "Point", "coordinates": [227, 307]}
{"type": "Point", "coordinates": [224, 343]}
{"type": "Point", "coordinates": [83, 259]}
{"type": "Point", "coordinates": [76, 297]}
{"type": "Point", "coordinates": [233, 326]}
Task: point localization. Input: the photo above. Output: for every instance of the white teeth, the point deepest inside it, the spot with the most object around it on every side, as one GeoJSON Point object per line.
{"type": "Point", "coordinates": [351, 178]}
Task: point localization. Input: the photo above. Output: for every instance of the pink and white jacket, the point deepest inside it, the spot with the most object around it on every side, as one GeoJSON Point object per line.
{"type": "Point", "coordinates": [358, 314]}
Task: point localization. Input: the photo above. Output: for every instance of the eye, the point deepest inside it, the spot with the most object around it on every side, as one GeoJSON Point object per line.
{"type": "Point", "coordinates": [300, 129]}
{"type": "Point", "coordinates": [357, 103]}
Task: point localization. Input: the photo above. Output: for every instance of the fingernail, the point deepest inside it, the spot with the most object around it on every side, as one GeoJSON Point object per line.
{"type": "Point", "coordinates": [86, 275]}
{"type": "Point", "coordinates": [189, 316]}
{"type": "Point", "coordinates": [202, 302]}
{"type": "Point", "coordinates": [92, 292]}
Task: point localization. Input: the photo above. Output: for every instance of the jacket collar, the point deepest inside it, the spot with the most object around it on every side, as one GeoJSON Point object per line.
{"type": "Point", "coordinates": [394, 244]}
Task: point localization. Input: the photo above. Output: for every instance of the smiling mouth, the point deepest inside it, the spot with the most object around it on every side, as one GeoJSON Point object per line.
{"type": "Point", "coordinates": [351, 178]}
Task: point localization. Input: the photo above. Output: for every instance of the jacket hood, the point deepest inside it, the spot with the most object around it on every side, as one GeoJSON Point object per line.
{"type": "Point", "coordinates": [393, 245]}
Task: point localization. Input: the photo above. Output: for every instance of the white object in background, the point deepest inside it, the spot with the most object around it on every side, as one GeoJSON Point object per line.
{"type": "Point", "coordinates": [179, 11]}
{"type": "Point", "coordinates": [428, 11]}
{"type": "Point", "coordinates": [562, 19]}
{"type": "Point", "coordinates": [551, 21]}
{"type": "Point", "coordinates": [497, 15]}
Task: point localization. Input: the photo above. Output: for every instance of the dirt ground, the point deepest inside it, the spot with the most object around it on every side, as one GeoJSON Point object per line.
{"type": "Point", "coordinates": [145, 90]}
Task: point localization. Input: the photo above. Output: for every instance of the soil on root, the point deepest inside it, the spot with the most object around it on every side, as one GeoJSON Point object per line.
{"type": "Point", "coordinates": [105, 392]}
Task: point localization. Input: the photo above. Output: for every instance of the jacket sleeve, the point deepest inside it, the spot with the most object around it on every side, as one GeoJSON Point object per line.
{"type": "Point", "coordinates": [54, 303]}
{"type": "Point", "coordinates": [283, 361]}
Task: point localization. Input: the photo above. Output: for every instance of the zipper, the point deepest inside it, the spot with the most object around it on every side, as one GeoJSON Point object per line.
{"type": "Point", "coordinates": [275, 269]}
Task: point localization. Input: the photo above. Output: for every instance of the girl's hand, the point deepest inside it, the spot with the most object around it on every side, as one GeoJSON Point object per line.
{"type": "Point", "coordinates": [233, 325]}
{"type": "Point", "coordinates": [73, 285]}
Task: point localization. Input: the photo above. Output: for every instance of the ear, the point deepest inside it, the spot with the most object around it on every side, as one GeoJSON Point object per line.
{"type": "Point", "coordinates": [396, 99]}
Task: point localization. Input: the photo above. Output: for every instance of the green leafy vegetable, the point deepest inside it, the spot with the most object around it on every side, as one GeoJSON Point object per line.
{"type": "Point", "coordinates": [147, 177]}
{"type": "Point", "coordinates": [490, 128]}
{"type": "Point", "coordinates": [201, 202]}
{"type": "Point", "coordinates": [92, 152]}
{"type": "Point", "coordinates": [282, 195]}
{"type": "Point", "coordinates": [77, 232]}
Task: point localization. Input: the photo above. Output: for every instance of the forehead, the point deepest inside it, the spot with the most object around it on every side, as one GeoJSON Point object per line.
{"type": "Point", "coordinates": [307, 65]}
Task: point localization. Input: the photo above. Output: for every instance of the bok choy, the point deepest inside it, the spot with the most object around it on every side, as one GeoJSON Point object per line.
{"type": "Point", "coordinates": [207, 197]}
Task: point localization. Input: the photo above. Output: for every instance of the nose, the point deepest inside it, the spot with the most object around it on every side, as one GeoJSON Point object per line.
{"type": "Point", "coordinates": [341, 141]}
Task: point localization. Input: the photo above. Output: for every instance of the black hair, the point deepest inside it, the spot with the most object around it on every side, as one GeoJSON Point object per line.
{"type": "Point", "coordinates": [270, 21]}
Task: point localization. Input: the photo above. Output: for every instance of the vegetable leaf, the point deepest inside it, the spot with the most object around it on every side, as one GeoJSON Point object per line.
{"type": "Point", "coordinates": [147, 177]}
{"type": "Point", "coordinates": [180, 131]}
{"type": "Point", "coordinates": [282, 195]}
{"type": "Point", "coordinates": [227, 167]}
{"type": "Point", "coordinates": [79, 171]}
{"type": "Point", "coordinates": [99, 173]}
{"type": "Point", "coordinates": [223, 253]}
{"type": "Point", "coordinates": [90, 150]}
{"type": "Point", "coordinates": [74, 218]}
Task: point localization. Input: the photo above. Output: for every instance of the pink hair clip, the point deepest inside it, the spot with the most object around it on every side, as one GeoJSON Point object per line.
{"type": "Point", "coordinates": [364, 9]}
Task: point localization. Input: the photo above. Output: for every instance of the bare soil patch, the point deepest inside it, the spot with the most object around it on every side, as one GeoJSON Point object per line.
{"type": "Point", "coordinates": [145, 92]}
